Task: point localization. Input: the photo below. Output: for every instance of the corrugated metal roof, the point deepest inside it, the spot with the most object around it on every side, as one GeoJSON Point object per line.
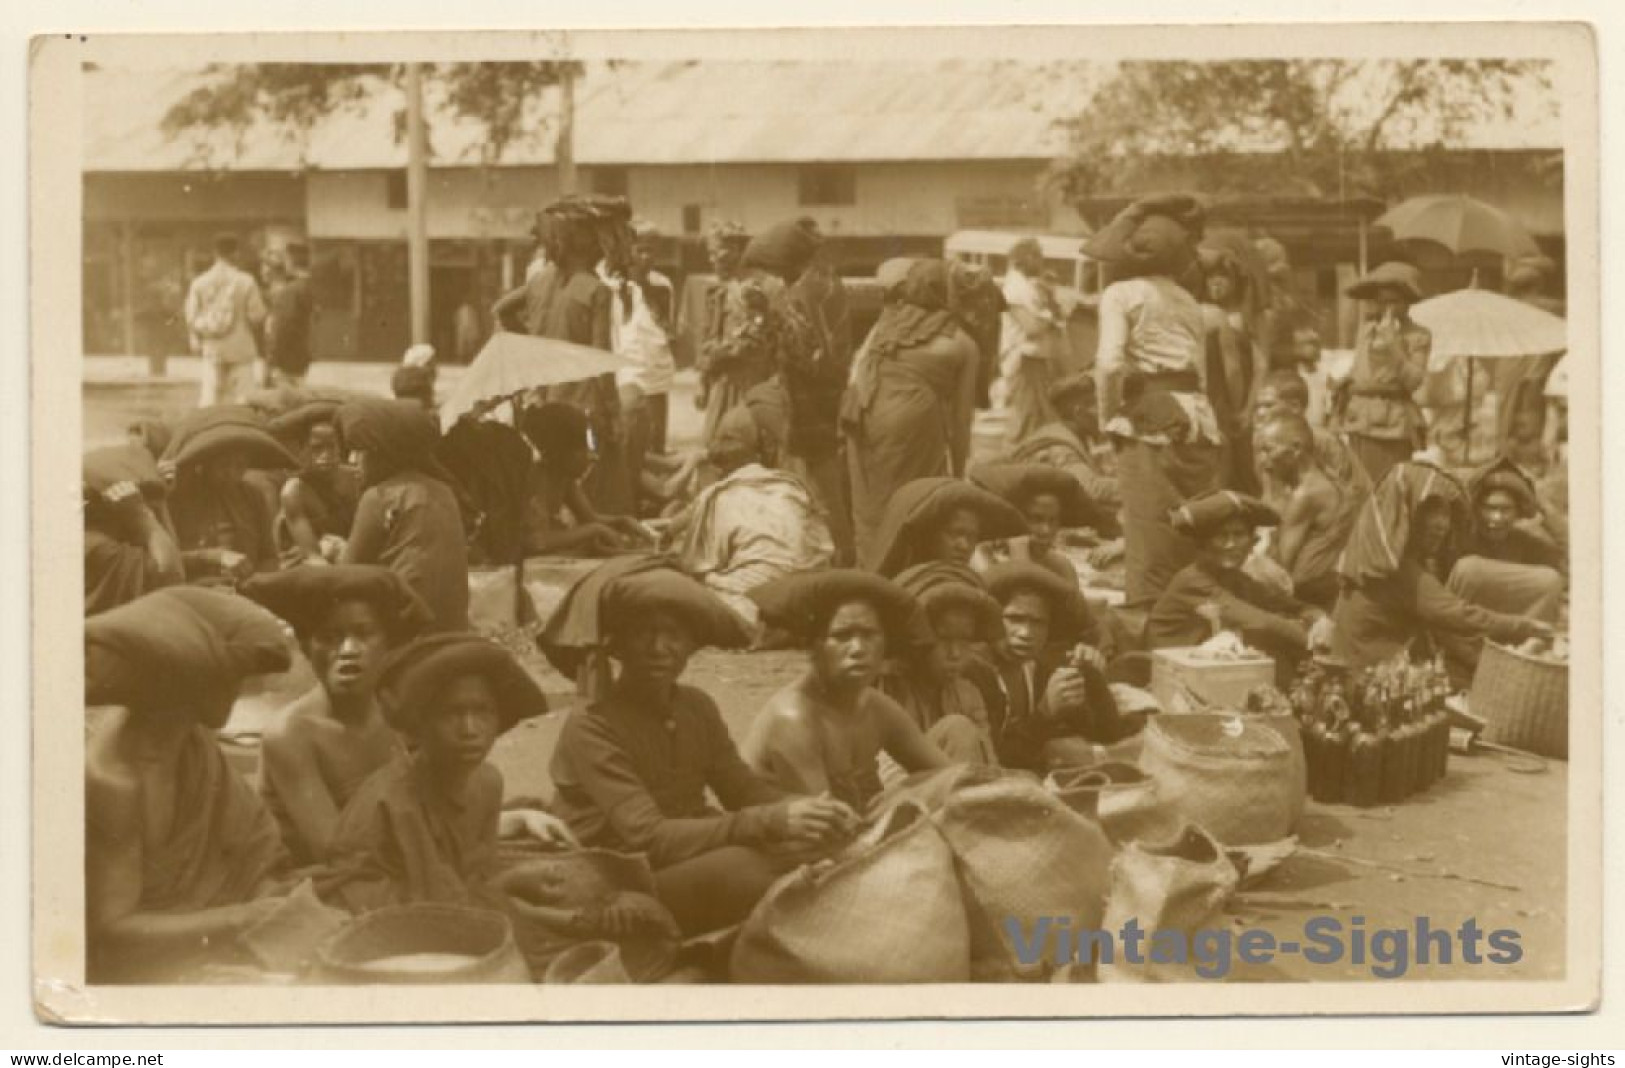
{"type": "Point", "coordinates": [673, 113]}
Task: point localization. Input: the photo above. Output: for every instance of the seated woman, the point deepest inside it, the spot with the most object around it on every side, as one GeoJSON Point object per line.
{"type": "Point", "coordinates": [1223, 526]}
{"type": "Point", "coordinates": [1510, 564]}
{"type": "Point", "coordinates": [319, 500]}
{"type": "Point", "coordinates": [930, 680]}
{"type": "Point", "coordinates": [562, 520]}
{"type": "Point", "coordinates": [753, 526]}
{"type": "Point", "coordinates": [425, 826]}
{"type": "Point", "coordinates": [222, 522]}
{"type": "Point", "coordinates": [1048, 700]}
{"type": "Point", "coordinates": [326, 744]}
{"type": "Point", "coordinates": [823, 734]}
{"type": "Point", "coordinates": [939, 520]}
{"type": "Point", "coordinates": [129, 551]}
{"type": "Point", "coordinates": [1074, 444]}
{"type": "Point", "coordinates": [1049, 499]}
{"type": "Point", "coordinates": [634, 765]}
{"type": "Point", "coordinates": [1394, 594]}
{"type": "Point", "coordinates": [180, 853]}
{"type": "Point", "coordinates": [410, 516]}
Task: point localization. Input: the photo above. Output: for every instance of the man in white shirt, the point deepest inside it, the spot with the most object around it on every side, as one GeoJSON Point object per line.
{"type": "Point", "coordinates": [224, 308]}
{"type": "Point", "coordinates": [640, 331]}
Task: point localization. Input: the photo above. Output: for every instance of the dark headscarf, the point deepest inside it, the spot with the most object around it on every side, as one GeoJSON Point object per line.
{"type": "Point", "coordinates": [785, 250]}
{"type": "Point", "coordinates": [918, 315]}
{"type": "Point", "coordinates": [412, 678]}
{"type": "Point", "coordinates": [1068, 610]}
{"type": "Point", "coordinates": [1200, 517]}
{"type": "Point", "coordinates": [399, 433]}
{"type": "Point", "coordinates": [153, 434]}
{"type": "Point", "coordinates": [1376, 547]}
{"type": "Point", "coordinates": [1154, 235]}
{"type": "Point", "coordinates": [1019, 483]}
{"type": "Point", "coordinates": [166, 649]}
{"type": "Point", "coordinates": [305, 595]}
{"type": "Point", "coordinates": [293, 428]}
{"type": "Point", "coordinates": [803, 602]}
{"type": "Point", "coordinates": [575, 638]}
{"type": "Point", "coordinates": [938, 586]}
{"type": "Point", "coordinates": [921, 505]}
{"type": "Point", "coordinates": [209, 431]}
{"type": "Point", "coordinates": [1502, 475]}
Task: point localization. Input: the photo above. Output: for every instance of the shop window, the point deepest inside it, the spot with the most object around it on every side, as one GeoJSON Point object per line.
{"type": "Point", "coordinates": [692, 217]}
{"type": "Point", "coordinates": [824, 185]}
{"type": "Point", "coordinates": [609, 181]}
{"type": "Point", "coordinates": [395, 190]}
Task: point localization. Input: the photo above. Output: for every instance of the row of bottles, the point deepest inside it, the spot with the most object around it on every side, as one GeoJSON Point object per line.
{"type": "Point", "coordinates": [1374, 738]}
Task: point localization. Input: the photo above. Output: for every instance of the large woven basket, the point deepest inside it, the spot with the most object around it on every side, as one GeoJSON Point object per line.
{"type": "Point", "coordinates": [1524, 699]}
{"type": "Point", "coordinates": [477, 945]}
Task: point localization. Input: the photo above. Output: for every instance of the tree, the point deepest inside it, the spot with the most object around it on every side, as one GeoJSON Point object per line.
{"type": "Point", "coordinates": [1312, 127]}
{"type": "Point", "coordinates": [291, 98]}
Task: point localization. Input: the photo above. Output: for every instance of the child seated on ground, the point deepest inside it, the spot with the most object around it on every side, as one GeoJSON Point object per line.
{"type": "Point", "coordinates": [823, 734]}
{"type": "Point", "coordinates": [1048, 700]}
{"type": "Point", "coordinates": [562, 522]}
{"type": "Point", "coordinates": [180, 853]}
{"type": "Point", "coordinates": [328, 742]}
{"type": "Point", "coordinates": [1223, 526]}
{"type": "Point", "coordinates": [633, 766]}
{"type": "Point", "coordinates": [319, 500]}
{"type": "Point", "coordinates": [1050, 500]}
{"type": "Point", "coordinates": [930, 680]}
{"type": "Point", "coordinates": [424, 828]}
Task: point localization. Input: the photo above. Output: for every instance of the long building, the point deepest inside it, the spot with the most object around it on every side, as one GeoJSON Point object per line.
{"type": "Point", "coordinates": [888, 158]}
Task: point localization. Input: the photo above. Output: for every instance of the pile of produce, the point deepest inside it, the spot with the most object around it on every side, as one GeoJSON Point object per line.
{"type": "Point", "coordinates": [1375, 737]}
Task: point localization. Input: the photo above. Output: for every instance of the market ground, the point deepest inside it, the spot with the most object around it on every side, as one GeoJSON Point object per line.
{"type": "Point", "coordinates": [1487, 844]}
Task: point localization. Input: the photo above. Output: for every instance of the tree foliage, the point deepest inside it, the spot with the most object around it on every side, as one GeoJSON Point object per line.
{"type": "Point", "coordinates": [292, 98]}
{"type": "Point", "coordinates": [1313, 127]}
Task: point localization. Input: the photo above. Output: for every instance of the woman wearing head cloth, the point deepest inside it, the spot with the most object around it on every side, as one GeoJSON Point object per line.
{"type": "Point", "coordinates": [409, 519]}
{"type": "Point", "coordinates": [733, 356]}
{"type": "Point", "coordinates": [1149, 376]}
{"type": "Point", "coordinates": [1394, 594]}
{"type": "Point", "coordinates": [637, 766]}
{"type": "Point", "coordinates": [223, 521]}
{"type": "Point", "coordinates": [939, 520]}
{"type": "Point", "coordinates": [808, 331]}
{"type": "Point", "coordinates": [1374, 406]}
{"type": "Point", "coordinates": [1510, 564]}
{"type": "Point", "coordinates": [824, 734]}
{"type": "Point", "coordinates": [568, 300]}
{"type": "Point", "coordinates": [907, 413]}
{"type": "Point", "coordinates": [751, 526]}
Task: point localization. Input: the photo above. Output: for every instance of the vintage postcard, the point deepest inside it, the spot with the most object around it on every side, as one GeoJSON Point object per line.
{"type": "Point", "coordinates": [984, 522]}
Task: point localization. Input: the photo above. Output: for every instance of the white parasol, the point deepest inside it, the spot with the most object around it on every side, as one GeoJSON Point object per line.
{"type": "Point", "coordinates": [1485, 325]}
{"type": "Point", "coordinates": [512, 364]}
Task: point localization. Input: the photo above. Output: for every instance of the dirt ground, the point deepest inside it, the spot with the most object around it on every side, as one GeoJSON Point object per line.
{"type": "Point", "coordinates": [1488, 843]}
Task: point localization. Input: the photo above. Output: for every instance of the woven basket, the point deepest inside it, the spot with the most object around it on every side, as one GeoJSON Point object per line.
{"type": "Point", "coordinates": [363, 952]}
{"type": "Point", "coordinates": [1524, 700]}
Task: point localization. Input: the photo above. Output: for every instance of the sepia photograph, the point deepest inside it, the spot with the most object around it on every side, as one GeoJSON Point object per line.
{"type": "Point", "coordinates": [938, 517]}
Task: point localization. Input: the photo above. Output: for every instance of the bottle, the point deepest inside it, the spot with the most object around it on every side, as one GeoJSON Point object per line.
{"type": "Point", "coordinates": [1362, 774]}
{"type": "Point", "coordinates": [1334, 753]}
{"type": "Point", "coordinates": [1392, 788]}
{"type": "Point", "coordinates": [1314, 747]}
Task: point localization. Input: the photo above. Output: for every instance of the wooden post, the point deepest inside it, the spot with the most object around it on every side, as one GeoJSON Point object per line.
{"type": "Point", "coordinates": [564, 152]}
{"type": "Point", "coordinates": [417, 219]}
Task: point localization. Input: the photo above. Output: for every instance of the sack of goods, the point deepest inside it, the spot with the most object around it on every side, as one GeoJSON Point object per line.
{"type": "Point", "coordinates": [1120, 797]}
{"type": "Point", "coordinates": [1233, 775]}
{"type": "Point", "coordinates": [1022, 853]}
{"type": "Point", "coordinates": [1173, 889]}
{"type": "Point", "coordinates": [887, 909]}
{"type": "Point", "coordinates": [424, 944]}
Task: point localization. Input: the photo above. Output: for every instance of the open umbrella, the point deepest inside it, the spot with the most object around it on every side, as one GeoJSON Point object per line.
{"type": "Point", "coordinates": [1477, 324]}
{"type": "Point", "coordinates": [1480, 323]}
{"type": "Point", "coordinates": [511, 364]}
{"type": "Point", "coordinates": [1460, 223]}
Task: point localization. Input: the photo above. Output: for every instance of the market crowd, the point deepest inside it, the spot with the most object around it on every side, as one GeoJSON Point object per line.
{"type": "Point", "coordinates": [959, 602]}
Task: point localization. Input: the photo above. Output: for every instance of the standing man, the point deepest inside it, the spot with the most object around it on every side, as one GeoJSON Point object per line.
{"type": "Point", "coordinates": [223, 310]}
{"type": "Point", "coordinates": [1031, 337]}
{"type": "Point", "coordinates": [287, 332]}
{"type": "Point", "coordinates": [640, 330]}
